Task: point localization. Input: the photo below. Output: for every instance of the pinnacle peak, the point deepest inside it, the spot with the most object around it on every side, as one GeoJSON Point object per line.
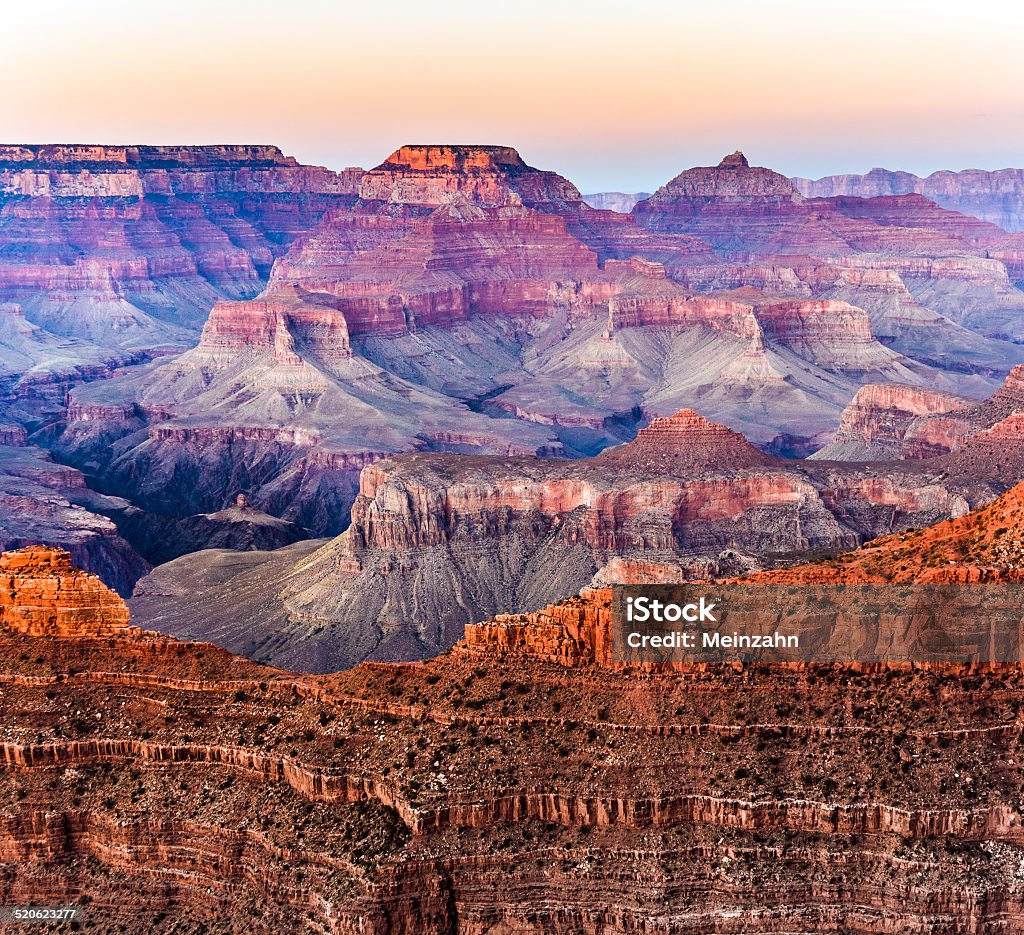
{"type": "Point", "coordinates": [734, 160]}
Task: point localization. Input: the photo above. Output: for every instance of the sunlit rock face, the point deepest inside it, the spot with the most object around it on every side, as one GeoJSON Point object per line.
{"type": "Point", "coordinates": [43, 594]}
{"type": "Point", "coordinates": [130, 247]}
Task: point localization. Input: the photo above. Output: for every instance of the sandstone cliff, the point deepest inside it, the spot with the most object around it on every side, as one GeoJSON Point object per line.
{"type": "Point", "coordinates": [437, 541]}
{"type": "Point", "coordinates": [893, 421]}
{"type": "Point", "coordinates": [164, 785]}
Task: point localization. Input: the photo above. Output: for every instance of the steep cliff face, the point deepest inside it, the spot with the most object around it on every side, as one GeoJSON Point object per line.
{"type": "Point", "coordinates": [884, 421]}
{"type": "Point", "coordinates": [163, 785]}
{"type": "Point", "coordinates": [985, 545]}
{"type": "Point", "coordinates": [437, 541]}
{"type": "Point", "coordinates": [129, 247]}
{"type": "Point", "coordinates": [42, 594]}
{"type": "Point", "coordinates": [893, 421]}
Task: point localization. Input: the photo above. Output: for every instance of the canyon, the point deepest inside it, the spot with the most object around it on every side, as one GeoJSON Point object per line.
{"type": "Point", "coordinates": [450, 387]}
{"type": "Point", "coordinates": [515, 782]}
{"type": "Point", "coordinates": [455, 299]}
{"type": "Point", "coordinates": [438, 541]}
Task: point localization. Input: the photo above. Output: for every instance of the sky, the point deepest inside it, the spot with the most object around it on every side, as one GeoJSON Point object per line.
{"type": "Point", "coordinates": [613, 95]}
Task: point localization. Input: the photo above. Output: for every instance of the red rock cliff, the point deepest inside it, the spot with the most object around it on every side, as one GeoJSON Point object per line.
{"type": "Point", "coordinates": [42, 594]}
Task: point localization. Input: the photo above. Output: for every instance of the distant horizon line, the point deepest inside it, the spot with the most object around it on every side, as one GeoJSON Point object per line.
{"type": "Point", "coordinates": [591, 190]}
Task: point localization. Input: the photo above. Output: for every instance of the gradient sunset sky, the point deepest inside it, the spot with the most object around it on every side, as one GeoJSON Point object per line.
{"type": "Point", "coordinates": [614, 95]}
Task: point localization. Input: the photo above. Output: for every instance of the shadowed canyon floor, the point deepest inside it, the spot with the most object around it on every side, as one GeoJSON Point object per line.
{"type": "Point", "coordinates": [509, 785]}
{"type": "Point", "coordinates": [438, 541]}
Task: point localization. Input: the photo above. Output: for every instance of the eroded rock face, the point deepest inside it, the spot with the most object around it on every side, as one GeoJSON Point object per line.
{"type": "Point", "coordinates": [437, 541]}
{"type": "Point", "coordinates": [893, 421]}
{"type": "Point", "coordinates": [42, 594]}
{"type": "Point", "coordinates": [752, 211]}
{"type": "Point", "coordinates": [494, 176]}
{"type": "Point", "coordinates": [165, 785]}
{"type": "Point", "coordinates": [130, 247]}
{"type": "Point", "coordinates": [994, 196]}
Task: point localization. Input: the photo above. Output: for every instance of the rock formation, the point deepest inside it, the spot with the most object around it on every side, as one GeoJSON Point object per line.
{"type": "Point", "coordinates": [43, 594]}
{"type": "Point", "coordinates": [454, 300]}
{"type": "Point", "coordinates": [994, 196]}
{"type": "Point", "coordinates": [615, 201]}
{"type": "Point", "coordinates": [464, 280]}
{"type": "Point", "coordinates": [438, 540]}
{"type": "Point", "coordinates": [894, 421]}
{"type": "Point", "coordinates": [983, 546]}
{"type": "Point", "coordinates": [41, 501]}
{"type": "Point", "coordinates": [493, 176]}
{"type": "Point", "coordinates": [160, 784]}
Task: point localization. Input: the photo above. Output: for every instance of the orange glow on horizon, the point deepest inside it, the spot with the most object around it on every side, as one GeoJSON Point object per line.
{"type": "Point", "coordinates": [605, 94]}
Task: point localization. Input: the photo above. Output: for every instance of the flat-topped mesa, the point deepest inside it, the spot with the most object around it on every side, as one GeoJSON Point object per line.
{"type": "Point", "coordinates": [83, 155]}
{"type": "Point", "coordinates": [687, 442]}
{"type": "Point", "coordinates": [258, 325]}
{"type": "Point", "coordinates": [43, 594]}
{"type": "Point", "coordinates": [494, 176]}
{"type": "Point", "coordinates": [75, 171]}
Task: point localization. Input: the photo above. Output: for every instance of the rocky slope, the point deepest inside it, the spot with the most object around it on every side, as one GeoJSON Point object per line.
{"type": "Point", "coordinates": [129, 247]}
{"type": "Point", "coordinates": [437, 541]}
{"type": "Point", "coordinates": [37, 368]}
{"type": "Point", "coordinates": [171, 786]}
{"type": "Point", "coordinates": [894, 421]}
{"type": "Point", "coordinates": [994, 196]}
{"type": "Point", "coordinates": [985, 545]}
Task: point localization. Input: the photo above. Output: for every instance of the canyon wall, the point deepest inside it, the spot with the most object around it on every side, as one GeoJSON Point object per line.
{"type": "Point", "coordinates": [156, 783]}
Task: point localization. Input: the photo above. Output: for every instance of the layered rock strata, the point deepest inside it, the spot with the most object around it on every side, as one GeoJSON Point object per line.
{"type": "Point", "coordinates": [129, 247]}
{"type": "Point", "coordinates": [437, 541]}
{"type": "Point", "coordinates": [994, 196]}
{"type": "Point", "coordinates": [894, 421]}
{"type": "Point", "coordinates": [160, 784]}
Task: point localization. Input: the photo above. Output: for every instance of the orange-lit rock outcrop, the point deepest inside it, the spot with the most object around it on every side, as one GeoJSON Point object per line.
{"type": "Point", "coordinates": [42, 594]}
{"type": "Point", "coordinates": [508, 785]}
